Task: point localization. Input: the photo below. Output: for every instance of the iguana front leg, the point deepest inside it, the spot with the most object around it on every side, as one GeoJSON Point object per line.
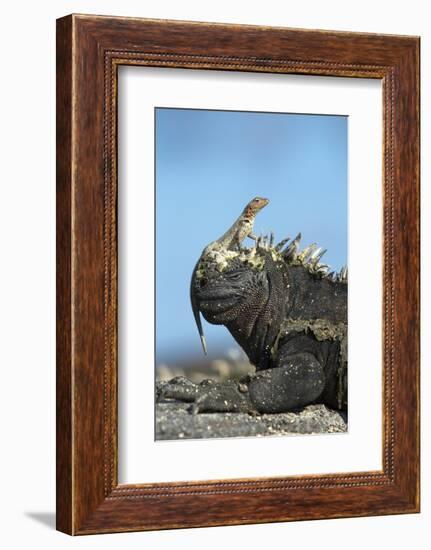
{"type": "Point", "coordinates": [208, 396]}
{"type": "Point", "coordinates": [179, 388]}
{"type": "Point", "coordinates": [297, 381]}
{"type": "Point", "coordinates": [229, 396]}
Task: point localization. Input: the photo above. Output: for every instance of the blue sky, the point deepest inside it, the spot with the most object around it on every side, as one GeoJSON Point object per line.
{"type": "Point", "coordinates": [209, 164]}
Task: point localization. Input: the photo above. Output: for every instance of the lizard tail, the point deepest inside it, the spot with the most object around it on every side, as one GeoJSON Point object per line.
{"type": "Point", "coordinates": [196, 313]}
{"type": "Point", "coordinates": [201, 333]}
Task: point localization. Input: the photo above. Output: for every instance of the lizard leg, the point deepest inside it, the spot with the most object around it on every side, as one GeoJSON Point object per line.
{"type": "Point", "coordinates": [238, 245]}
{"type": "Point", "coordinates": [296, 382]}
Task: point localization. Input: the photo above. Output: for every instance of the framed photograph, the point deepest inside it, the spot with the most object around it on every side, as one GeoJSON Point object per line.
{"type": "Point", "coordinates": [237, 274]}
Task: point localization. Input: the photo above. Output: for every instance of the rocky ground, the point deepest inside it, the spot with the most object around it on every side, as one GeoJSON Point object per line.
{"type": "Point", "coordinates": [174, 421]}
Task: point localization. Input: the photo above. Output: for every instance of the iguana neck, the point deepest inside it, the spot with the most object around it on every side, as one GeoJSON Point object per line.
{"type": "Point", "coordinates": [259, 321]}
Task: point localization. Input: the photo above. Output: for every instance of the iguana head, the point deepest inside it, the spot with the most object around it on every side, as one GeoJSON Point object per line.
{"type": "Point", "coordinates": [221, 283]}
{"type": "Point", "coordinates": [222, 295]}
{"type": "Point", "coordinates": [241, 290]}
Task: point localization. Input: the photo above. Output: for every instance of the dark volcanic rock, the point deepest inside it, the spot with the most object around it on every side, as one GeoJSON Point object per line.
{"type": "Point", "coordinates": [174, 421]}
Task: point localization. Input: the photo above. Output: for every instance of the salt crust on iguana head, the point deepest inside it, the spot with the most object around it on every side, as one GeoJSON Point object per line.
{"type": "Point", "coordinates": [218, 257]}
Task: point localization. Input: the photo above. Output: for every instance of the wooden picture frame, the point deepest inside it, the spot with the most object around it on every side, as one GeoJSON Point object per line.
{"type": "Point", "coordinates": [89, 51]}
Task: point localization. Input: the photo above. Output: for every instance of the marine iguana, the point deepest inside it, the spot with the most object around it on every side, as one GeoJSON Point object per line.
{"type": "Point", "coordinates": [287, 312]}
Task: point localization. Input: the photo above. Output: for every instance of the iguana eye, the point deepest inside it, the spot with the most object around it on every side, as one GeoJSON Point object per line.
{"type": "Point", "coordinates": [234, 276]}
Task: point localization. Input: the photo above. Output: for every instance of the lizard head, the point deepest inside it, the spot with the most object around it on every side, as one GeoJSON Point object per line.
{"type": "Point", "coordinates": [255, 205]}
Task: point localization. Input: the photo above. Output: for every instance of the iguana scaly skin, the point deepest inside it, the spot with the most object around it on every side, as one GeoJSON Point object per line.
{"type": "Point", "coordinates": [288, 313]}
